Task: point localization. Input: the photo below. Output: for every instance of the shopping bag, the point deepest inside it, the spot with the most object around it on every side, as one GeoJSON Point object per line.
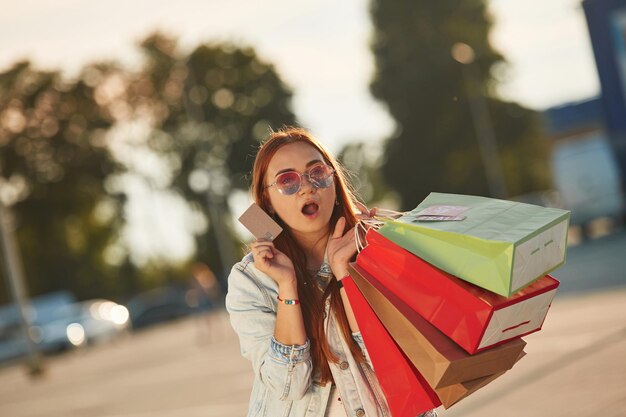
{"type": "Point", "coordinates": [406, 391]}
{"type": "Point", "coordinates": [499, 245]}
{"type": "Point", "coordinates": [452, 394]}
{"type": "Point", "coordinates": [476, 319]}
{"type": "Point", "coordinates": [438, 359]}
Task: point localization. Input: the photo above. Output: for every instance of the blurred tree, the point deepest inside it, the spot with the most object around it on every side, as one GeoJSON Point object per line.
{"type": "Point", "coordinates": [207, 112]}
{"type": "Point", "coordinates": [53, 166]}
{"type": "Point", "coordinates": [62, 166]}
{"type": "Point", "coordinates": [434, 147]}
{"type": "Point", "coordinates": [363, 165]}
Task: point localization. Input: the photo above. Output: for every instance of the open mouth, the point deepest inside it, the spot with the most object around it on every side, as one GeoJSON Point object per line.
{"type": "Point", "coordinates": [310, 209]}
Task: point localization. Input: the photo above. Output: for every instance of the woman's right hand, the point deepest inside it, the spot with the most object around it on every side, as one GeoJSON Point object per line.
{"type": "Point", "coordinates": [272, 262]}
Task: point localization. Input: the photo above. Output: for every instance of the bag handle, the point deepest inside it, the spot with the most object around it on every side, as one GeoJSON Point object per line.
{"type": "Point", "coordinates": [376, 222]}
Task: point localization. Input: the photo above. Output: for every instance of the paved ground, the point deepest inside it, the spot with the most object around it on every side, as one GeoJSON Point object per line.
{"type": "Point", "coordinates": [576, 366]}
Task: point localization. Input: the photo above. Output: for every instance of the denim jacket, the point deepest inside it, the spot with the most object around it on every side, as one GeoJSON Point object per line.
{"type": "Point", "coordinates": [283, 382]}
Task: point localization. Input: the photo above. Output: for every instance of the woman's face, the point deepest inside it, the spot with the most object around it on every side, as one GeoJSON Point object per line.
{"type": "Point", "coordinates": [309, 209]}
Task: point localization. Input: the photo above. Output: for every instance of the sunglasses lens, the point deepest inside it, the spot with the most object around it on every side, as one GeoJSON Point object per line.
{"type": "Point", "coordinates": [288, 183]}
{"type": "Point", "coordinates": [321, 176]}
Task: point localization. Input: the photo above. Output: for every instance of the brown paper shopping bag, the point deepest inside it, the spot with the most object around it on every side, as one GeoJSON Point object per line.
{"type": "Point", "coordinates": [440, 360]}
{"type": "Point", "coordinates": [452, 394]}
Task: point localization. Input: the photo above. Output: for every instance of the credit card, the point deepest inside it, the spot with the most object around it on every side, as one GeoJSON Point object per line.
{"type": "Point", "coordinates": [259, 223]}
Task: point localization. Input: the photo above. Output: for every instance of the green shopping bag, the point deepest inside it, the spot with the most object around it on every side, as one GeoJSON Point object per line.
{"type": "Point", "coordinates": [499, 245]}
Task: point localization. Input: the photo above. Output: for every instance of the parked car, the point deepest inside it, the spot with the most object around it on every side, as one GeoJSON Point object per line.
{"type": "Point", "coordinates": [86, 322]}
{"type": "Point", "coordinates": [12, 339]}
{"type": "Point", "coordinates": [12, 343]}
{"type": "Point", "coordinates": [59, 323]}
{"type": "Point", "coordinates": [164, 304]}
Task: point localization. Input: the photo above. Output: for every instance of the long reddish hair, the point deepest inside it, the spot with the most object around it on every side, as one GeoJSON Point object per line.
{"type": "Point", "coordinates": [312, 300]}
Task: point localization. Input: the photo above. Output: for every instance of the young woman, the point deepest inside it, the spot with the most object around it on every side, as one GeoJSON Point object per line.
{"type": "Point", "coordinates": [285, 298]}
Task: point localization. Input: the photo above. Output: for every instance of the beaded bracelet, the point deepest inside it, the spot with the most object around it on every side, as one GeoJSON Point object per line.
{"type": "Point", "coordinates": [288, 302]}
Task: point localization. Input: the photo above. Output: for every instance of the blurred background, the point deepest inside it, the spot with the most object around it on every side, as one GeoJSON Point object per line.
{"type": "Point", "coordinates": [128, 132]}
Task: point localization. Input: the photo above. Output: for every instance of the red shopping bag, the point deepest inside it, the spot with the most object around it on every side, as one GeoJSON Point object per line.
{"type": "Point", "coordinates": [475, 318]}
{"type": "Point", "coordinates": [437, 357]}
{"type": "Point", "coordinates": [406, 391]}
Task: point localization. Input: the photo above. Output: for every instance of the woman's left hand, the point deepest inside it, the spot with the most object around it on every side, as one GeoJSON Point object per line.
{"type": "Point", "coordinates": [341, 248]}
{"type": "Point", "coordinates": [365, 213]}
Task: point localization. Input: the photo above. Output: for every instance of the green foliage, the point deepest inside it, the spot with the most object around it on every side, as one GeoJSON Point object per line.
{"type": "Point", "coordinates": [53, 164]}
{"type": "Point", "coordinates": [208, 110]}
{"type": "Point", "coordinates": [363, 168]}
{"type": "Point", "coordinates": [205, 112]}
{"type": "Point", "coordinates": [426, 91]}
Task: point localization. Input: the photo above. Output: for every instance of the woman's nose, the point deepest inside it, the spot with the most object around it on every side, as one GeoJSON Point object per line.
{"type": "Point", "coordinates": [305, 184]}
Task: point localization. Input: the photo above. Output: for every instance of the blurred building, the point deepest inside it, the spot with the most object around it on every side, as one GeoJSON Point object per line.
{"type": "Point", "coordinates": [606, 20]}
{"type": "Point", "coordinates": [585, 168]}
{"type": "Point", "coordinates": [589, 156]}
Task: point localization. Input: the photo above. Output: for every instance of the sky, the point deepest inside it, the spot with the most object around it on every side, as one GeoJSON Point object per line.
{"type": "Point", "coordinates": [319, 47]}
